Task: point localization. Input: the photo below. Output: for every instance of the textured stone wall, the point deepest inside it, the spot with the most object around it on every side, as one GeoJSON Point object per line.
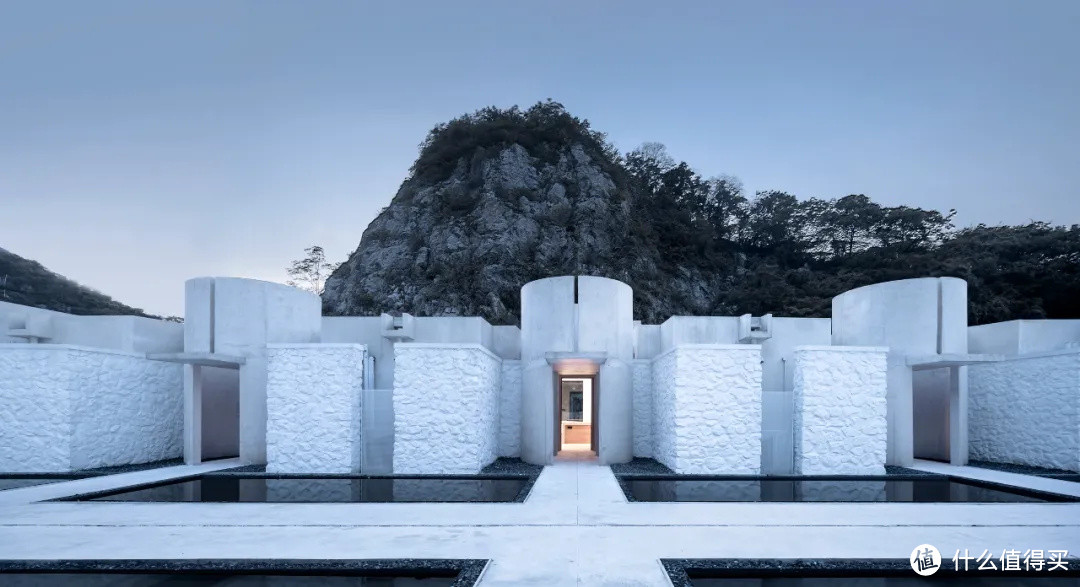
{"type": "Point", "coordinates": [840, 420]}
{"type": "Point", "coordinates": [64, 408]}
{"type": "Point", "coordinates": [313, 408]}
{"type": "Point", "coordinates": [510, 410]}
{"type": "Point", "coordinates": [642, 382]}
{"type": "Point", "coordinates": [35, 410]}
{"type": "Point", "coordinates": [127, 409]}
{"type": "Point", "coordinates": [446, 408]}
{"type": "Point", "coordinates": [663, 409]}
{"type": "Point", "coordinates": [1026, 411]}
{"type": "Point", "coordinates": [707, 409]}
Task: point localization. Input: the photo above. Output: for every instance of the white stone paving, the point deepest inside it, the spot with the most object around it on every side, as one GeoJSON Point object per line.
{"type": "Point", "coordinates": [576, 528]}
{"type": "Point", "coordinates": [1029, 481]}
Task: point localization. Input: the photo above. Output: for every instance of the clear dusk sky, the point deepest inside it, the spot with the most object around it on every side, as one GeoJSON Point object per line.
{"type": "Point", "coordinates": [145, 143]}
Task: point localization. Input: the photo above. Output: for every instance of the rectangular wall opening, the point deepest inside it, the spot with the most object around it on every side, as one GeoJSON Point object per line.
{"type": "Point", "coordinates": [220, 412]}
{"type": "Point", "coordinates": [576, 422]}
{"type": "Point", "coordinates": [930, 391]}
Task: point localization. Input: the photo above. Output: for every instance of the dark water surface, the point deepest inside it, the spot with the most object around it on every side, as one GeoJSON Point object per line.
{"type": "Point", "coordinates": [810, 489]}
{"type": "Point", "coordinates": [235, 489]}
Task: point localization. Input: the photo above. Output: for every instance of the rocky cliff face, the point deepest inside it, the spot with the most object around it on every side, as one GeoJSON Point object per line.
{"type": "Point", "coordinates": [462, 241]}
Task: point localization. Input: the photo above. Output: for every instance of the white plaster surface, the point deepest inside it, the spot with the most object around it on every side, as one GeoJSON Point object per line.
{"type": "Point", "coordinates": [840, 421]}
{"type": "Point", "coordinates": [65, 407]}
{"type": "Point", "coordinates": [446, 408]}
{"type": "Point", "coordinates": [1026, 411]}
{"type": "Point", "coordinates": [707, 409]}
{"type": "Point", "coordinates": [314, 408]}
{"type": "Point", "coordinates": [642, 381]}
{"type": "Point", "coordinates": [120, 333]}
{"type": "Point", "coordinates": [510, 409]}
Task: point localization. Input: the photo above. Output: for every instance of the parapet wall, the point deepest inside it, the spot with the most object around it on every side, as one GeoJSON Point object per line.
{"type": "Point", "coordinates": [707, 409]}
{"type": "Point", "coordinates": [67, 408]}
{"type": "Point", "coordinates": [1026, 410]}
{"type": "Point", "coordinates": [314, 408]}
{"type": "Point", "coordinates": [446, 408]}
{"type": "Point", "coordinates": [840, 421]}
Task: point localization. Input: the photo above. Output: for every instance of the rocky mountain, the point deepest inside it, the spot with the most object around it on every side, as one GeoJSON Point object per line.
{"type": "Point", "coordinates": [498, 199]}
{"type": "Point", "coordinates": [501, 197]}
{"type": "Point", "coordinates": [27, 282]}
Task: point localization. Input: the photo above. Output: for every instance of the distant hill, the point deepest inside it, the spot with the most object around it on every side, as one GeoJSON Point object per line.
{"type": "Point", "coordinates": [498, 198]}
{"type": "Point", "coordinates": [27, 282]}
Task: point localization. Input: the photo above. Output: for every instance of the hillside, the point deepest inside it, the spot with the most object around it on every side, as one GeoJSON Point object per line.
{"type": "Point", "coordinates": [498, 198]}
{"type": "Point", "coordinates": [27, 282]}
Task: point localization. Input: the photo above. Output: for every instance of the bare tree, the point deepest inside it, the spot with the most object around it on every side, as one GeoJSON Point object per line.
{"type": "Point", "coordinates": [310, 273]}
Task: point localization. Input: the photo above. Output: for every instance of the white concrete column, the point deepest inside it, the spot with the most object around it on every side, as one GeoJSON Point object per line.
{"type": "Point", "coordinates": [901, 412]}
{"type": "Point", "coordinates": [538, 413]}
{"type": "Point", "coordinates": [616, 414]}
{"type": "Point", "coordinates": [958, 416]}
{"type": "Point", "coordinates": [192, 414]}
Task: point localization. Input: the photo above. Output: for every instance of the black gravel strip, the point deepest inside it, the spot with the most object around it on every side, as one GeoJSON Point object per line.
{"type": "Point", "coordinates": [240, 469]}
{"type": "Point", "coordinates": [683, 571]}
{"type": "Point", "coordinates": [467, 571]}
{"type": "Point", "coordinates": [515, 467]}
{"type": "Point", "coordinates": [129, 468]}
{"type": "Point", "coordinates": [894, 470]}
{"type": "Point", "coordinates": [642, 468]}
{"type": "Point", "coordinates": [97, 472]}
{"type": "Point", "coordinates": [1024, 469]}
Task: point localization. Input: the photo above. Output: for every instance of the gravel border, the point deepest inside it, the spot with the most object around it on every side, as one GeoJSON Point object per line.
{"type": "Point", "coordinates": [466, 571]}
{"type": "Point", "coordinates": [641, 467]}
{"type": "Point", "coordinates": [1061, 474]}
{"type": "Point", "coordinates": [644, 467]}
{"type": "Point", "coordinates": [681, 570]}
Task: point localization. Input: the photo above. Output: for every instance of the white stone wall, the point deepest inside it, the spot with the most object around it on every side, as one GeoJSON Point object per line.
{"type": "Point", "coordinates": [446, 408]}
{"type": "Point", "coordinates": [663, 409]}
{"type": "Point", "coordinates": [642, 381]}
{"type": "Point", "coordinates": [127, 409]}
{"type": "Point", "coordinates": [65, 407]}
{"type": "Point", "coordinates": [35, 409]}
{"type": "Point", "coordinates": [1026, 410]}
{"type": "Point", "coordinates": [510, 409]}
{"type": "Point", "coordinates": [314, 408]}
{"type": "Point", "coordinates": [707, 409]}
{"type": "Point", "coordinates": [840, 402]}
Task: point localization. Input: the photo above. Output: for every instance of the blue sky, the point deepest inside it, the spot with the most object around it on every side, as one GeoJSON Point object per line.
{"type": "Point", "coordinates": [144, 143]}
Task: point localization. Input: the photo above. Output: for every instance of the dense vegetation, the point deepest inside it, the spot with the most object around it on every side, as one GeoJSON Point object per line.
{"type": "Point", "coordinates": [28, 283]}
{"type": "Point", "coordinates": [686, 243]}
{"type": "Point", "coordinates": [790, 256]}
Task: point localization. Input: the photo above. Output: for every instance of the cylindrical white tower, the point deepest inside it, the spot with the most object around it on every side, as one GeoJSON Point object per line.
{"type": "Point", "coordinates": [577, 326]}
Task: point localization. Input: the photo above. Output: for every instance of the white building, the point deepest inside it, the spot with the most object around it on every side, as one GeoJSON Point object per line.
{"type": "Point", "coordinates": [257, 372]}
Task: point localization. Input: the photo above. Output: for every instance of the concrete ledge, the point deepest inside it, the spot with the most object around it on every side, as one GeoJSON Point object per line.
{"type": "Point", "coordinates": [567, 356]}
{"type": "Point", "coordinates": [921, 362]}
{"type": "Point", "coordinates": [200, 359]}
{"type": "Point", "coordinates": [841, 348]}
{"type": "Point", "coordinates": [317, 345]}
{"type": "Point", "coordinates": [32, 346]}
{"type": "Point", "coordinates": [709, 347]}
{"type": "Point", "coordinates": [466, 346]}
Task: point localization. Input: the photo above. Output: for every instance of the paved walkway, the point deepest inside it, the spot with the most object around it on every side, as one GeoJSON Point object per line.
{"type": "Point", "coordinates": [576, 528]}
{"type": "Point", "coordinates": [1028, 481]}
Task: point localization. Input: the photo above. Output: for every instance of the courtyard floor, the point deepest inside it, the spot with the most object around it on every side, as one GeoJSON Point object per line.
{"type": "Point", "coordinates": [576, 527]}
